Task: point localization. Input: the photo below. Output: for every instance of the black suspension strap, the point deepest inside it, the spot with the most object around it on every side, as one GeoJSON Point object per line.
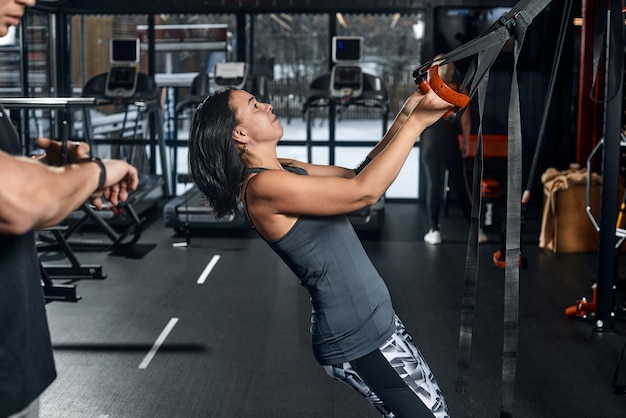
{"type": "Point", "coordinates": [471, 258]}
{"type": "Point", "coordinates": [493, 40]}
{"type": "Point", "coordinates": [513, 231]}
{"type": "Point", "coordinates": [512, 24]}
{"type": "Point", "coordinates": [499, 255]}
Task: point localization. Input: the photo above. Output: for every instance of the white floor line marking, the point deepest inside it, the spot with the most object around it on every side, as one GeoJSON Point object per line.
{"type": "Point", "coordinates": [208, 269]}
{"type": "Point", "coordinates": [157, 344]}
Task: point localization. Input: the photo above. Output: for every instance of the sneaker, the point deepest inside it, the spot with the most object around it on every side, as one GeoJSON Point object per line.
{"type": "Point", "coordinates": [433, 237]}
{"type": "Point", "coordinates": [482, 237]}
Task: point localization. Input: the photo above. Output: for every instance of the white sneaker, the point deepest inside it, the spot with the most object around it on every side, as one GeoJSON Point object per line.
{"type": "Point", "coordinates": [482, 237]}
{"type": "Point", "coordinates": [433, 237]}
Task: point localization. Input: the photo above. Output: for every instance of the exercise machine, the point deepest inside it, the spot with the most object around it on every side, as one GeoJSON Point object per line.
{"type": "Point", "coordinates": [586, 308]}
{"type": "Point", "coordinates": [124, 121]}
{"type": "Point", "coordinates": [189, 212]}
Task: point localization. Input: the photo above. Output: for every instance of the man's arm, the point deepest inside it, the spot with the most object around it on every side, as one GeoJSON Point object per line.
{"type": "Point", "coordinates": [35, 196]}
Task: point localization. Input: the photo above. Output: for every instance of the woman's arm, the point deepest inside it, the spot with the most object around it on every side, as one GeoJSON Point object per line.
{"type": "Point", "coordinates": [419, 112]}
{"type": "Point", "coordinates": [279, 192]}
{"type": "Point", "coordinates": [319, 170]}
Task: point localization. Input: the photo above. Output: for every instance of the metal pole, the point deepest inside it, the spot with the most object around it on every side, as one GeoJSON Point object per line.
{"type": "Point", "coordinates": [610, 172]}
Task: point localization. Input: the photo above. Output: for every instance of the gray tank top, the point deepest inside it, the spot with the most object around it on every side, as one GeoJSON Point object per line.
{"type": "Point", "coordinates": [352, 313]}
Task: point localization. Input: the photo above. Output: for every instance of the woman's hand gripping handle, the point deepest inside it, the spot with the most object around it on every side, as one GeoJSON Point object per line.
{"type": "Point", "coordinates": [429, 78]}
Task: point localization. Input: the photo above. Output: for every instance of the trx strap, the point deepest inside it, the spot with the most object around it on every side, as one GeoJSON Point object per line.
{"type": "Point", "coordinates": [512, 24]}
{"type": "Point", "coordinates": [499, 255]}
{"type": "Point", "coordinates": [513, 235]}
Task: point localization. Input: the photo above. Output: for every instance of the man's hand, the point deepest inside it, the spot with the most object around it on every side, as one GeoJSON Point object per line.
{"type": "Point", "coordinates": [121, 178]}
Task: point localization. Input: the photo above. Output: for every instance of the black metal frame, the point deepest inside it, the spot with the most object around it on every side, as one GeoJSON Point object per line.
{"type": "Point", "coordinates": [264, 6]}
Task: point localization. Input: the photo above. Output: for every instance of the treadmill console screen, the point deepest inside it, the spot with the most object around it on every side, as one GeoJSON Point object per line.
{"type": "Point", "coordinates": [346, 81]}
{"type": "Point", "coordinates": [121, 82]}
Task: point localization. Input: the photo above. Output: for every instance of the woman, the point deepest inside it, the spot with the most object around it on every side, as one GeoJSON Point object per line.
{"type": "Point", "coordinates": [299, 209]}
{"type": "Point", "coordinates": [441, 151]}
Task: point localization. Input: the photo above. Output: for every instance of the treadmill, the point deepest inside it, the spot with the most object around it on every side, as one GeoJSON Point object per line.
{"type": "Point", "coordinates": [124, 87]}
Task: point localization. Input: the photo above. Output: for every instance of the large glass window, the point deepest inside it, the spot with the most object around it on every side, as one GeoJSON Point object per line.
{"type": "Point", "coordinates": [38, 41]}
{"type": "Point", "coordinates": [37, 81]}
{"type": "Point", "coordinates": [294, 52]}
{"type": "Point", "coordinates": [10, 63]}
{"type": "Point", "coordinates": [288, 52]}
{"type": "Point", "coordinates": [91, 42]}
{"type": "Point", "coordinates": [392, 50]}
{"type": "Point", "coordinates": [186, 47]}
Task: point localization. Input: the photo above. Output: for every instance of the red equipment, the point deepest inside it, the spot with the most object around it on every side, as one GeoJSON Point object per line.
{"type": "Point", "coordinates": [584, 308]}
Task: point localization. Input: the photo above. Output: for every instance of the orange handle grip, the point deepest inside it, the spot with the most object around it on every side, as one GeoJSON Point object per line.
{"type": "Point", "coordinates": [441, 89]}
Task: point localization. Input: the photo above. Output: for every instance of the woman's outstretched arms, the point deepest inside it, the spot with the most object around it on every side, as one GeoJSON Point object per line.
{"type": "Point", "coordinates": [280, 192]}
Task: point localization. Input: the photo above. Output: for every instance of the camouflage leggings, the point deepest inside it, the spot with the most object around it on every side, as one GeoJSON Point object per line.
{"type": "Point", "coordinates": [395, 379]}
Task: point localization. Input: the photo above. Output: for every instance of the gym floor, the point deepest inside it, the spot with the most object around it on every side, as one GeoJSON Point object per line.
{"type": "Point", "coordinates": [150, 341]}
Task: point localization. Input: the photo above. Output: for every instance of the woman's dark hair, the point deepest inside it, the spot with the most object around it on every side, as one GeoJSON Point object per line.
{"type": "Point", "coordinates": [215, 165]}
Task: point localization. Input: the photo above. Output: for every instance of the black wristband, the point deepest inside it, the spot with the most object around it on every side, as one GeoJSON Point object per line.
{"type": "Point", "coordinates": [363, 164]}
{"type": "Point", "coordinates": [103, 170]}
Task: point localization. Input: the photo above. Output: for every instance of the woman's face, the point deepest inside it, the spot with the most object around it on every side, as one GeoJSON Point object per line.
{"type": "Point", "coordinates": [256, 119]}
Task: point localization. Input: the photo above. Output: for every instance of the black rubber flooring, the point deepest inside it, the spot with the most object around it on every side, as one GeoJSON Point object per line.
{"type": "Point", "coordinates": [238, 344]}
